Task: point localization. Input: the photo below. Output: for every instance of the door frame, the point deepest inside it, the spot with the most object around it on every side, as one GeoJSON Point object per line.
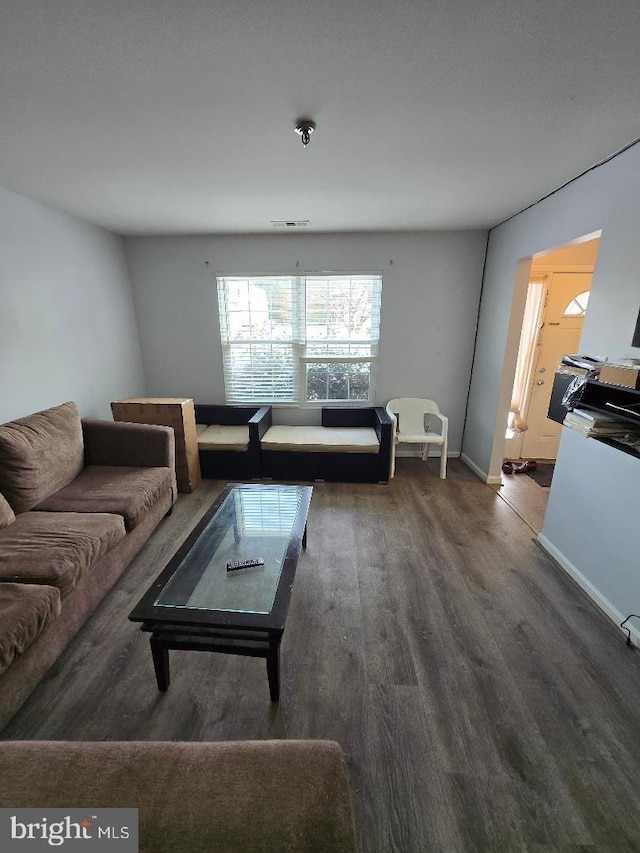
{"type": "Point", "coordinates": [516, 316]}
{"type": "Point", "coordinates": [513, 446]}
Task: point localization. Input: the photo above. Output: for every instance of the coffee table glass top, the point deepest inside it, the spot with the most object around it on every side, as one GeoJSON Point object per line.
{"type": "Point", "coordinates": [252, 522]}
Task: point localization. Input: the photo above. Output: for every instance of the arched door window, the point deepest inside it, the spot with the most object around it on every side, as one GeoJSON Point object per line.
{"type": "Point", "coordinates": [578, 305]}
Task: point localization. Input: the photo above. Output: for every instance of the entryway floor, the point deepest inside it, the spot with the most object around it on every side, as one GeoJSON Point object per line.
{"type": "Point", "coordinates": [526, 498]}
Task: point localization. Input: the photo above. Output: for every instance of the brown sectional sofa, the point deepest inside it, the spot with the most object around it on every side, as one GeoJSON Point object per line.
{"type": "Point", "coordinates": [237, 797]}
{"type": "Point", "coordinates": [78, 499]}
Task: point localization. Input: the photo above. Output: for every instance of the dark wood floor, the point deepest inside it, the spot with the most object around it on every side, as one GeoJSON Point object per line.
{"type": "Point", "coordinates": [526, 498]}
{"type": "Point", "coordinates": [483, 702]}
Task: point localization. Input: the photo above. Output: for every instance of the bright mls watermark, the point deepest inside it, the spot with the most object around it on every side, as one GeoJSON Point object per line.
{"type": "Point", "coordinates": [33, 830]}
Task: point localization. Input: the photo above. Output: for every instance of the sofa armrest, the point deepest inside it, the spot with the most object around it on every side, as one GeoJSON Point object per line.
{"type": "Point", "coordinates": [260, 422]}
{"type": "Point", "coordinates": [258, 425]}
{"type": "Point", "coordinates": [289, 796]}
{"type": "Point", "coordinates": [384, 427]}
{"type": "Point", "coordinates": [122, 443]}
{"type": "Point", "coordinates": [382, 422]}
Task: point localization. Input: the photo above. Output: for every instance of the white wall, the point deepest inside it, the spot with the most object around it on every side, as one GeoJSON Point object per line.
{"type": "Point", "coordinates": [431, 285]}
{"type": "Point", "coordinates": [67, 327]}
{"type": "Point", "coordinates": [591, 522]}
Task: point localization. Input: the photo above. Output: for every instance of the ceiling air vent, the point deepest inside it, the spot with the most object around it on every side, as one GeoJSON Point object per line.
{"type": "Point", "coordinates": [289, 223]}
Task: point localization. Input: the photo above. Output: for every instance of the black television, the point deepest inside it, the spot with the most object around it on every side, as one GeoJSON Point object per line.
{"type": "Point", "coordinates": [635, 342]}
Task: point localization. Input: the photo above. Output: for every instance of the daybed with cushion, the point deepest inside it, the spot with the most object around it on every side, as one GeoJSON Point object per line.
{"type": "Point", "coordinates": [229, 440]}
{"type": "Point", "coordinates": [78, 499]}
{"type": "Point", "coordinates": [353, 445]}
{"type": "Point", "coordinates": [236, 797]}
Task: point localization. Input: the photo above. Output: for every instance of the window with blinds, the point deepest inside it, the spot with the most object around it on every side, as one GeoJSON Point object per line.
{"type": "Point", "coordinates": [300, 339]}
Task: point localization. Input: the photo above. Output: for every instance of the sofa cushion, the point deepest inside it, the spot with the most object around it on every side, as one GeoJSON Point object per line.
{"type": "Point", "coordinates": [317, 439]}
{"type": "Point", "coordinates": [39, 454]}
{"type": "Point", "coordinates": [25, 609]}
{"type": "Point", "coordinates": [56, 548]}
{"type": "Point", "coordinates": [129, 492]}
{"type": "Point", "coordinates": [7, 515]}
{"type": "Point", "coordinates": [218, 437]}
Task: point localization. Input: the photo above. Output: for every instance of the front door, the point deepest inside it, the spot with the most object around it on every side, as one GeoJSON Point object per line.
{"type": "Point", "coordinates": [560, 334]}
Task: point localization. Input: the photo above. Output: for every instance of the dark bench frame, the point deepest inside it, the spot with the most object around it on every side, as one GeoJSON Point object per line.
{"type": "Point", "coordinates": [341, 467]}
{"type": "Point", "coordinates": [234, 464]}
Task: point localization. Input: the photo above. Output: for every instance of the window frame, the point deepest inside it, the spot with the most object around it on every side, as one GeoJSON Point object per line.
{"type": "Point", "coordinates": [299, 342]}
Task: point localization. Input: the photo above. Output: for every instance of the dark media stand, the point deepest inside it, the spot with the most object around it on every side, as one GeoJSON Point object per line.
{"type": "Point", "coordinates": [611, 401]}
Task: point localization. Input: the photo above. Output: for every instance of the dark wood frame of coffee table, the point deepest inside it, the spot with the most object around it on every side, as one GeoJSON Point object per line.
{"type": "Point", "coordinates": [229, 632]}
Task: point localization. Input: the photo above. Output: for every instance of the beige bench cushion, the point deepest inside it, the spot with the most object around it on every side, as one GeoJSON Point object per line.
{"type": "Point", "coordinates": [315, 439]}
{"type": "Point", "coordinates": [56, 548]}
{"type": "Point", "coordinates": [217, 437]}
{"type": "Point", "coordinates": [200, 428]}
{"type": "Point", "coordinates": [25, 609]}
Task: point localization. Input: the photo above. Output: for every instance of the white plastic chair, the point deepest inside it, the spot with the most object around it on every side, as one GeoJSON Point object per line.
{"type": "Point", "coordinates": [411, 426]}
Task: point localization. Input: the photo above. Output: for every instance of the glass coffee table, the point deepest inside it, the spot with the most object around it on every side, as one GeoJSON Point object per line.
{"type": "Point", "coordinates": [227, 589]}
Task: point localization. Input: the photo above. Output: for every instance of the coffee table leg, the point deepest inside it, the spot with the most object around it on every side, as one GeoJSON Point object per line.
{"type": "Point", "coordinates": [304, 537]}
{"type": "Point", "coordinates": [273, 669]}
{"type": "Point", "coordinates": [160, 655]}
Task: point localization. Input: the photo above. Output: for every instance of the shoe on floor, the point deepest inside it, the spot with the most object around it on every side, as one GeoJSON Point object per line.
{"type": "Point", "coordinates": [523, 467]}
{"type": "Point", "coordinates": [507, 466]}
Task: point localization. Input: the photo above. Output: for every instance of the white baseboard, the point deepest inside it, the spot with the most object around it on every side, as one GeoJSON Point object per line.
{"type": "Point", "coordinates": [494, 481]}
{"type": "Point", "coordinates": [490, 481]}
{"type": "Point", "coordinates": [584, 583]}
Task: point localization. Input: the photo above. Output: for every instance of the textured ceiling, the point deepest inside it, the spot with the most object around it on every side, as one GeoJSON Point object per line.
{"type": "Point", "coordinates": [159, 116]}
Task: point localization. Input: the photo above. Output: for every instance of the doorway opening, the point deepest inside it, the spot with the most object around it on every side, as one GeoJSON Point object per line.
{"type": "Point", "coordinates": [559, 285]}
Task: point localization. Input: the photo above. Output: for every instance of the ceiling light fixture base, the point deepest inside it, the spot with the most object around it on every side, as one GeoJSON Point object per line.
{"type": "Point", "coordinates": [305, 127]}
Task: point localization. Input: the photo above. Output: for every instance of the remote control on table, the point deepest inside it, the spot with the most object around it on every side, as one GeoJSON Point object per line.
{"type": "Point", "coordinates": [234, 565]}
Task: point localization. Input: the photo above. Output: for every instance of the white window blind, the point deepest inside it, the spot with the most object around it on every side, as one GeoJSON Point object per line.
{"type": "Point", "coordinates": [289, 339]}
